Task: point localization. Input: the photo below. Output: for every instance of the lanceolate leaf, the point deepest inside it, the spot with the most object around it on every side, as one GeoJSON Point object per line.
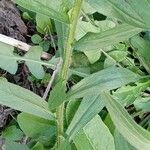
{"type": "Point", "coordinates": [90, 106]}
{"type": "Point", "coordinates": [93, 41]}
{"type": "Point", "coordinates": [110, 78]}
{"type": "Point", "coordinates": [54, 9]}
{"type": "Point", "coordinates": [98, 135]}
{"type": "Point", "coordinates": [24, 100]}
{"type": "Point", "coordinates": [132, 132]}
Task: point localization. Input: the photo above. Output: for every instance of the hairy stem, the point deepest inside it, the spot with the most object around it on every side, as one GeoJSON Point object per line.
{"type": "Point", "coordinates": [67, 61]}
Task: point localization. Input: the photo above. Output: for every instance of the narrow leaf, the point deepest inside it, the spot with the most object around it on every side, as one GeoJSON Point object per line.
{"type": "Point", "coordinates": [90, 106]}
{"type": "Point", "coordinates": [93, 41]}
{"type": "Point", "coordinates": [132, 132]}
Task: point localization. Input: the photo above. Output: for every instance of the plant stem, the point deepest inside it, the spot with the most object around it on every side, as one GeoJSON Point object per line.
{"type": "Point", "coordinates": [66, 64]}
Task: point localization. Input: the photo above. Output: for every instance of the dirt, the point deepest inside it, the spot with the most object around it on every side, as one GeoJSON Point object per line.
{"type": "Point", "coordinates": [11, 23]}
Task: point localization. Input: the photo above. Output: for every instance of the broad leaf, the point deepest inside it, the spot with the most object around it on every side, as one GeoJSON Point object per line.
{"type": "Point", "coordinates": [38, 146]}
{"type": "Point", "coordinates": [8, 60]}
{"type": "Point", "coordinates": [65, 145]}
{"type": "Point", "coordinates": [35, 127]}
{"type": "Point", "coordinates": [132, 132]}
{"type": "Point", "coordinates": [90, 106]}
{"type": "Point", "coordinates": [54, 9]}
{"type": "Point", "coordinates": [98, 135]}
{"type": "Point", "coordinates": [110, 78]}
{"type": "Point", "coordinates": [24, 100]}
{"type": "Point", "coordinates": [93, 41]}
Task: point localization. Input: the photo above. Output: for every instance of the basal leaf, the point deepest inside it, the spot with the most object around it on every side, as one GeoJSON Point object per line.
{"type": "Point", "coordinates": [54, 9]}
{"type": "Point", "coordinates": [132, 132]}
{"type": "Point", "coordinates": [24, 100]}
{"type": "Point", "coordinates": [93, 41]}
{"type": "Point", "coordinates": [9, 60]}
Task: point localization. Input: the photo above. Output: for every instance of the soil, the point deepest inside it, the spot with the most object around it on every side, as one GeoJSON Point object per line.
{"type": "Point", "coordinates": [11, 25]}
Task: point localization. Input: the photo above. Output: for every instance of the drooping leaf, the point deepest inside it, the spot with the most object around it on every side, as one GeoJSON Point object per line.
{"type": "Point", "coordinates": [90, 106]}
{"type": "Point", "coordinates": [57, 95]}
{"type": "Point", "coordinates": [132, 132]}
{"type": "Point", "coordinates": [34, 126]}
{"type": "Point", "coordinates": [109, 78]}
{"type": "Point", "coordinates": [24, 100]}
{"type": "Point", "coordinates": [98, 135]}
{"type": "Point", "coordinates": [93, 41]}
{"type": "Point", "coordinates": [54, 9]}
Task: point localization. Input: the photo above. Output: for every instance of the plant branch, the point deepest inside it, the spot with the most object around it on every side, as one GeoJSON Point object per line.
{"type": "Point", "coordinates": [21, 45]}
{"type": "Point", "coordinates": [67, 61]}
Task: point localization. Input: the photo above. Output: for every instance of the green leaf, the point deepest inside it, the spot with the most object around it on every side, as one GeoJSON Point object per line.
{"type": "Point", "coordinates": [57, 95]}
{"type": "Point", "coordinates": [71, 109]}
{"type": "Point", "coordinates": [142, 103]}
{"type": "Point", "coordinates": [132, 132]}
{"type": "Point", "coordinates": [7, 61]}
{"type": "Point", "coordinates": [12, 133]}
{"type": "Point", "coordinates": [35, 127]}
{"type": "Point", "coordinates": [121, 143]}
{"type": "Point", "coordinates": [93, 41]}
{"type": "Point", "coordinates": [24, 100]}
{"type": "Point", "coordinates": [54, 9]}
{"type": "Point", "coordinates": [93, 56]}
{"type": "Point", "coordinates": [90, 106]}
{"type": "Point", "coordinates": [98, 136]}
{"type": "Point", "coordinates": [31, 58]}
{"type": "Point", "coordinates": [109, 78]}
{"type": "Point", "coordinates": [9, 145]}
{"type": "Point", "coordinates": [126, 95]}
{"type": "Point", "coordinates": [127, 11]}
{"type": "Point", "coordinates": [36, 68]}
{"type": "Point", "coordinates": [36, 39]}
{"type": "Point", "coordinates": [38, 146]}
{"type": "Point", "coordinates": [65, 145]}
{"type": "Point", "coordinates": [43, 24]}
{"type": "Point", "coordinates": [142, 50]}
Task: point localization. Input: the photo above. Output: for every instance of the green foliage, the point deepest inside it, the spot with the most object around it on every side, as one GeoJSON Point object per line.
{"type": "Point", "coordinates": [104, 45]}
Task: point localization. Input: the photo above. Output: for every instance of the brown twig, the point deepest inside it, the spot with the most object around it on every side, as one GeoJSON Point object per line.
{"type": "Point", "coordinates": [58, 66]}
{"type": "Point", "coordinates": [21, 45]}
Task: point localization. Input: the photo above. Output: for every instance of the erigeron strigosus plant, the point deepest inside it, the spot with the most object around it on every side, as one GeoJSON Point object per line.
{"type": "Point", "coordinates": [75, 117]}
